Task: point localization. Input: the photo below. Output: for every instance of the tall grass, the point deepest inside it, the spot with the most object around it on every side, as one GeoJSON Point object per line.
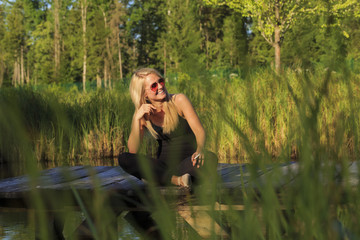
{"type": "Point", "coordinates": [312, 117]}
{"type": "Point", "coordinates": [64, 126]}
{"type": "Point", "coordinates": [269, 110]}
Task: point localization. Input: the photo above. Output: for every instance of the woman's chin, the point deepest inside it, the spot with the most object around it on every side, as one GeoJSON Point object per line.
{"type": "Point", "coordinates": [161, 95]}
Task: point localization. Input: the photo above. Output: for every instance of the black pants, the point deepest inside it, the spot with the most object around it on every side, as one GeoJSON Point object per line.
{"type": "Point", "coordinates": [142, 166]}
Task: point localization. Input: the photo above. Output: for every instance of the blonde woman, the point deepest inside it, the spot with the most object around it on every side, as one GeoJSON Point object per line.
{"type": "Point", "coordinates": [173, 122]}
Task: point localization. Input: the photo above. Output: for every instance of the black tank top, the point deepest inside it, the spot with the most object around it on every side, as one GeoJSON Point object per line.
{"type": "Point", "coordinates": [178, 144]}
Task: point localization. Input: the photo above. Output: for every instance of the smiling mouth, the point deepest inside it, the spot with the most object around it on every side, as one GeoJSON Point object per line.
{"type": "Point", "coordinates": [161, 91]}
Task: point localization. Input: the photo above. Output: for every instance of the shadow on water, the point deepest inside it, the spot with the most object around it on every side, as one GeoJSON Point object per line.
{"type": "Point", "coordinates": [18, 223]}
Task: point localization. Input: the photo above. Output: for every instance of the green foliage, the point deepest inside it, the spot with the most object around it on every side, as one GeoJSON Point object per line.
{"type": "Point", "coordinates": [260, 52]}
{"type": "Point", "coordinates": [182, 39]}
{"type": "Point", "coordinates": [66, 125]}
{"type": "Point", "coordinates": [15, 23]}
{"type": "Point", "coordinates": [235, 41]}
{"type": "Point", "coordinates": [186, 36]}
{"type": "Point", "coordinates": [310, 113]}
{"type": "Point", "coordinates": [43, 51]}
{"type": "Point", "coordinates": [71, 61]}
{"type": "Point", "coordinates": [226, 39]}
{"type": "Point", "coordinates": [146, 22]}
{"type": "Point", "coordinates": [310, 116]}
{"type": "Point", "coordinates": [97, 35]}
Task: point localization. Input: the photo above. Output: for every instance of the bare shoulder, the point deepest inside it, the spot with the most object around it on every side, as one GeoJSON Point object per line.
{"type": "Point", "coordinates": [180, 98]}
{"type": "Point", "coordinates": [183, 104]}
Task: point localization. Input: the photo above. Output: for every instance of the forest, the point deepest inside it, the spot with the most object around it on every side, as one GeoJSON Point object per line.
{"type": "Point", "coordinates": [273, 82]}
{"type": "Point", "coordinates": [103, 42]}
{"type": "Point", "coordinates": [261, 67]}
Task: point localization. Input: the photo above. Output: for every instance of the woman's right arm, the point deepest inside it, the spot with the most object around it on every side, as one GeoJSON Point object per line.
{"type": "Point", "coordinates": [137, 127]}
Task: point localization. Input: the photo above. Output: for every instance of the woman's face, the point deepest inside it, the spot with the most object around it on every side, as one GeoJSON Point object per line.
{"type": "Point", "coordinates": [155, 87]}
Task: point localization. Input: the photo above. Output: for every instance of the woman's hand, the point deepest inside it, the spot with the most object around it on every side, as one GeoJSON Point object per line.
{"type": "Point", "coordinates": [137, 130]}
{"type": "Point", "coordinates": [197, 159]}
{"type": "Point", "coordinates": [145, 109]}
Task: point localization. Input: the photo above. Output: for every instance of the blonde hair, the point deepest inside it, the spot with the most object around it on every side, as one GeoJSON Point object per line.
{"type": "Point", "coordinates": [137, 93]}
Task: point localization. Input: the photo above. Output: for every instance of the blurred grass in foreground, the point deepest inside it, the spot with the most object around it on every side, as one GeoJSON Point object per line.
{"type": "Point", "coordinates": [312, 117]}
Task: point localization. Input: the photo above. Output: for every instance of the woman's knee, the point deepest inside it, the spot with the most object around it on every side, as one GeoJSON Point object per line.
{"type": "Point", "coordinates": [124, 159]}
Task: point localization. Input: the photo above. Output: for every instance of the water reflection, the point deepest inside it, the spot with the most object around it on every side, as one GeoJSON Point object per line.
{"type": "Point", "coordinates": [17, 224]}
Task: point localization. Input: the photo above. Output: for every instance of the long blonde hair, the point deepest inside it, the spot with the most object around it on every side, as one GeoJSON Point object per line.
{"type": "Point", "coordinates": [137, 93]}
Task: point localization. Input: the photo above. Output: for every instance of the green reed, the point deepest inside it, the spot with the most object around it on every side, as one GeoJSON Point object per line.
{"type": "Point", "coordinates": [67, 124]}
{"type": "Point", "coordinates": [261, 118]}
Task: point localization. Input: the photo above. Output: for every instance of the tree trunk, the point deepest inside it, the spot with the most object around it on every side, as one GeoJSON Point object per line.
{"type": "Point", "coordinates": [277, 58]}
{"type": "Point", "coordinates": [105, 74]}
{"type": "Point", "coordinates": [107, 42]}
{"type": "Point", "coordinates": [16, 75]}
{"type": "Point", "coordinates": [164, 59]}
{"type": "Point", "coordinates": [13, 82]}
{"type": "Point", "coordinates": [98, 79]}
{"type": "Point", "coordinates": [22, 69]}
{"type": "Point", "coordinates": [277, 33]}
{"type": "Point", "coordinates": [56, 37]}
{"type": "Point", "coordinates": [120, 60]}
{"type": "Point", "coordinates": [134, 50]}
{"type": "Point", "coordinates": [207, 47]}
{"type": "Point", "coordinates": [83, 18]}
{"type": "Point", "coordinates": [2, 71]}
{"type": "Point", "coordinates": [27, 78]}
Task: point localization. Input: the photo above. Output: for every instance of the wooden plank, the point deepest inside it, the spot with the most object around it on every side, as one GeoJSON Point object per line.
{"type": "Point", "coordinates": [217, 207]}
{"type": "Point", "coordinates": [46, 176]}
{"type": "Point", "coordinates": [18, 189]}
{"type": "Point", "coordinates": [96, 176]}
{"type": "Point", "coordinates": [233, 177]}
{"type": "Point", "coordinates": [203, 224]}
{"type": "Point", "coordinates": [279, 175]}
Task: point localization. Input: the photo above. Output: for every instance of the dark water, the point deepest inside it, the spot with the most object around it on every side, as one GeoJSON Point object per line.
{"type": "Point", "coordinates": [18, 224]}
{"type": "Point", "coordinates": [15, 225]}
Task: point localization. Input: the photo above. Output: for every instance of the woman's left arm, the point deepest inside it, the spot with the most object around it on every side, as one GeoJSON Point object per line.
{"type": "Point", "coordinates": [187, 110]}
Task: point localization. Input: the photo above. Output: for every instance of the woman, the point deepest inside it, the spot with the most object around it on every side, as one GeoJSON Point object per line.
{"type": "Point", "coordinates": [172, 120]}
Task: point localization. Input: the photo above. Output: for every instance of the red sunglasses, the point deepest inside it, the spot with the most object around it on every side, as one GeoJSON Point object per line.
{"type": "Point", "coordinates": [154, 86]}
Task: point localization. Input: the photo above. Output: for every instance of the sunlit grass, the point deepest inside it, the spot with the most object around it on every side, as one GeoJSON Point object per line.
{"type": "Point", "coordinates": [66, 125]}
{"type": "Point", "coordinates": [263, 118]}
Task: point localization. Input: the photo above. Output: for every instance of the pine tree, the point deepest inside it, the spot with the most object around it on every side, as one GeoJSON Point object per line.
{"type": "Point", "coordinates": [117, 27]}
{"type": "Point", "coordinates": [100, 61]}
{"type": "Point", "coordinates": [146, 22]}
{"type": "Point", "coordinates": [35, 13]}
{"type": "Point", "coordinates": [211, 28]}
{"type": "Point", "coordinates": [183, 39]}
{"type": "Point", "coordinates": [84, 9]}
{"type": "Point", "coordinates": [56, 6]}
{"type": "Point", "coordinates": [42, 53]}
{"type": "Point", "coordinates": [71, 57]}
{"type": "Point", "coordinates": [235, 41]}
{"type": "Point", "coordinates": [15, 41]}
